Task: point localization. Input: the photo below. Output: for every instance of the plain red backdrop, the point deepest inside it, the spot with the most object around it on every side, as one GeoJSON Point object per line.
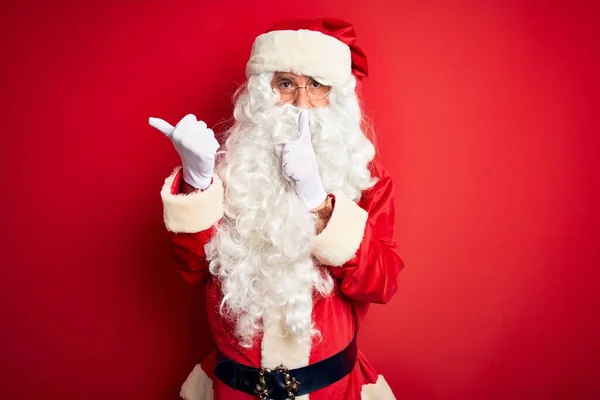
{"type": "Point", "coordinates": [487, 116]}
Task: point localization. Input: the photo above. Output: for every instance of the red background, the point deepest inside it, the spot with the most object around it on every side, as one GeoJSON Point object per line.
{"type": "Point", "coordinates": [487, 115]}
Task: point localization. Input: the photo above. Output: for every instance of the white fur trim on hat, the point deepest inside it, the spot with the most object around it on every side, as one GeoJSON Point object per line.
{"type": "Point", "coordinates": [302, 52]}
{"type": "Point", "coordinates": [342, 236]}
{"type": "Point", "coordinates": [193, 212]}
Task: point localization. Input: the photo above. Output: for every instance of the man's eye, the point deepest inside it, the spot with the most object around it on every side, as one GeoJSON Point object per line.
{"type": "Point", "coordinates": [315, 84]}
{"type": "Point", "coordinates": [285, 84]}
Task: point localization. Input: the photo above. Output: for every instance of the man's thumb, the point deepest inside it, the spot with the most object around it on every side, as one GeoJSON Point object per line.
{"type": "Point", "coordinates": [161, 125]}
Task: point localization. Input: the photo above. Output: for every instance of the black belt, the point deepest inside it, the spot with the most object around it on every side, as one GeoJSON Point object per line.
{"type": "Point", "coordinates": [281, 383]}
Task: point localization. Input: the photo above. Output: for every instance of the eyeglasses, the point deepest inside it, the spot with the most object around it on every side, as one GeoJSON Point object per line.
{"type": "Point", "coordinates": [288, 89]}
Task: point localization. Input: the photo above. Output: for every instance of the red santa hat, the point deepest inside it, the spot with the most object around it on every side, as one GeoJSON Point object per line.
{"type": "Point", "coordinates": [324, 49]}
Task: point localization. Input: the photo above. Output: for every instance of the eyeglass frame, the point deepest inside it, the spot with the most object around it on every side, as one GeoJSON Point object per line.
{"type": "Point", "coordinates": [297, 87]}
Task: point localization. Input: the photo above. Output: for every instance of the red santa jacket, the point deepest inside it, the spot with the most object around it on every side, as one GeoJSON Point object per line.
{"type": "Point", "coordinates": [360, 252]}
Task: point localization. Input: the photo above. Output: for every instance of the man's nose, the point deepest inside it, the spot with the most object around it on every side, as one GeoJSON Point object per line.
{"type": "Point", "coordinates": [302, 99]}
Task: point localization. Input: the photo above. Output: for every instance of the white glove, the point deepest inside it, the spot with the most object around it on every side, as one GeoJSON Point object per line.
{"type": "Point", "coordinates": [196, 145]}
{"type": "Point", "coordinates": [299, 165]}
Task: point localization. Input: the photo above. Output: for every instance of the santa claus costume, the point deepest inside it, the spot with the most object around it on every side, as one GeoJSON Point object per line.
{"type": "Point", "coordinates": [278, 292]}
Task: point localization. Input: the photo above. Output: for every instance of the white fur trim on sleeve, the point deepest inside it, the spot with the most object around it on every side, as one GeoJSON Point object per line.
{"type": "Point", "coordinates": [193, 212]}
{"type": "Point", "coordinates": [341, 238]}
{"type": "Point", "coordinates": [379, 390]}
{"type": "Point", "coordinates": [303, 52]}
{"type": "Point", "coordinates": [197, 386]}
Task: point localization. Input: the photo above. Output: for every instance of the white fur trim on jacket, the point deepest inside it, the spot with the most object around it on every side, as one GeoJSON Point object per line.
{"type": "Point", "coordinates": [303, 52]}
{"type": "Point", "coordinates": [379, 390]}
{"type": "Point", "coordinates": [197, 386]}
{"type": "Point", "coordinates": [193, 212]}
{"type": "Point", "coordinates": [341, 238]}
{"type": "Point", "coordinates": [279, 347]}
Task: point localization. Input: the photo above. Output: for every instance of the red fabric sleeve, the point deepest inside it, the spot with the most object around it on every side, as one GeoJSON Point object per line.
{"type": "Point", "coordinates": [187, 249]}
{"type": "Point", "coordinates": [372, 275]}
{"type": "Point", "coordinates": [209, 364]}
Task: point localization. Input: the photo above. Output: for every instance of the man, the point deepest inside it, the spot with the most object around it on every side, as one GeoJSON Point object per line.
{"type": "Point", "coordinates": [292, 232]}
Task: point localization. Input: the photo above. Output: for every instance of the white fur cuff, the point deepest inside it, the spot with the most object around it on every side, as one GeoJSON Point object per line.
{"type": "Point", "coordinates": [303, 52]}
{"type": "Point", "coordinates": [341, 238]}
{"type": "Point", "coordinates": [194, 212]}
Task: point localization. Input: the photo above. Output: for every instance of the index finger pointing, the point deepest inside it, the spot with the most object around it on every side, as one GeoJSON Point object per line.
{"type": "Point", "coordinates": [303, 127]}
{"type": "Point", "coordinates": [162, 126]}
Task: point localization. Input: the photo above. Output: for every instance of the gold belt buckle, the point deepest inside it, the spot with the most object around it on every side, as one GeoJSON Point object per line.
{"type": "Point", "coordinates": [290, 384]}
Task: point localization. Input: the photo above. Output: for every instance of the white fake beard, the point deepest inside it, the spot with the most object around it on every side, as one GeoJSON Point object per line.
{"type": "Point", "coordinates": [261, 252]}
